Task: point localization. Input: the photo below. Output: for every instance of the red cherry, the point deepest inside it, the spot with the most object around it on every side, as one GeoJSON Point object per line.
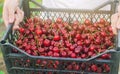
{"type": "Point", "coordinates": [27, 47]}
{"type": "Point", "coordinates": [56, 49]}
{"type": "Point", "coordinates": [56, 38]}
{"type": "Point", "coordinates": [73, 55]}
{"type": "Point", "coordinates": [86, 49]}
{"type": "Point", "coordinates": [28, 61]}
{"type": "Point", "coordinates": [22, 30]}
{"type": "Point", "coordinates": [38, 32]}
{"type": "Point", "coordinates": [97, 41]}
{"type": "Point", "coordinates": [77, 50]}
{"type": "Point", "coordinates": [78, 37]}
{"type": "Point", "coordinates": [46, 42]}
{"type": "Point", "coordinates": [87, 42]}
{"type": "Point", "coordinates": [106, 67]}
{"type": "Point", "coordinates": [69, 67]}
{"type": "Point", "coordinates": [83, 66]}
{"type": "Point", "coordinates": [99, 70]}
{"type": "Point", "coordinates": [59, 20]}
{"type": "Point", "coordinates": [76, 67]}
{"type": "Point", "coordinates": [41, 50]}
{"type": "Point", "coordinates": [19, 42]}
{"type": "Point", "coordinates": [92, 48]}
{"type": "Point", "coordinates": [80, 43]}
{"type": "Point", "coordinates": [49, 21]}
{"type": "Point", "coordinates": [44, 30]}
{"type": "Point", "coordinates": [38, 61]}
{"type": "Point", "coordinates": [56, 54]}
{"type": "Point", "coordinates": [90, 53]}
{"type": "Point", "coordinates": [83, 56]}
{"type": "Point", "coordinates": [105, 56]}
{"type": "Point", "coordinates": [28, 51]}
{"type": "Point", "coordinates": [76, 22]}
{"type": "Point", "coordinates": [102, 21]}
{"type": "Point", "coordinates": [36, 19]}
{"type": "Point", "coordinates": [103, 34]}
{"type": "Point", "coordinates": [94, 68]}
{"type": "Point", "coordinates": [69, 52]}
{"type": "Point", "coordinates": [63, 53]}
{"type": "Point", "coordinates": [29, 20]}
{"type": "Point", "coordinates": [72, 48]}
{"type": "Point", "coordinates": [87, 22]}
{"type": "Point", "coordinates": [50, 53]}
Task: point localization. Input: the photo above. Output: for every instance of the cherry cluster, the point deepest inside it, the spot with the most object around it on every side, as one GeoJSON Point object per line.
{"type": "Point", "coordinates": [62, 39]}
{"type": "Point", "coordinates": [40, 37]}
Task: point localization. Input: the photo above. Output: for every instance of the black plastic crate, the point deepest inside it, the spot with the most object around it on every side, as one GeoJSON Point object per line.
{"type": "Point", "coordinates": [23, 63]}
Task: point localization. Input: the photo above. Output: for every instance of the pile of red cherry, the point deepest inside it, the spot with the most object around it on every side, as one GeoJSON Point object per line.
{"type": "Point", "coordinates": [40, 37]}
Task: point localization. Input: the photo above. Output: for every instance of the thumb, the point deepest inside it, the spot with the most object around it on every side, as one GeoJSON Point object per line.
{"type": "Point", "coordinates": [114, 30]}
{"type": "Point", "coordinates": [11, 15]}
{"type": "Point", "coordinates": [118, 24]}
{"type": "Point", "coordinates": [16, 23]}
{"type": "Point", "coordinates": [118, 9]}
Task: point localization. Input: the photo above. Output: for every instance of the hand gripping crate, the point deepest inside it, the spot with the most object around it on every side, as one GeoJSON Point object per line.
{"type": "Point", "coordinates": [23, 63]}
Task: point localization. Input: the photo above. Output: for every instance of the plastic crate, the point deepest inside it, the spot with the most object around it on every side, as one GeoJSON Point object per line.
{"type": "Point", "coordinates": [23, 63]}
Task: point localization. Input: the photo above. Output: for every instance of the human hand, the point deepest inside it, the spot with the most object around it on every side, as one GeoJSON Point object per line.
{"type": "Point", "coordinates": [115, 21]}
{"type": "Point", "coordinates": [12, 13]}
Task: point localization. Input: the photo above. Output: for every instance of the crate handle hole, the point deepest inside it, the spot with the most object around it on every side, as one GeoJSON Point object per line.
{"type": "Point", "coordinates": [2, 41]}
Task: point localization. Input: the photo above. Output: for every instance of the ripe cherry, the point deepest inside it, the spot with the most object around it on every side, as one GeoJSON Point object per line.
{"type": "Point", "coordinates": [22, 30]}
{"type": "Point", "coordinates": [73, 55]}
{"type": "Point", "coordinates": [102, 21]}
{"type": "Point", "coordinates": [46, 42]}
{"type": "Point", "coordinates": [56, 49]}
{"type": "Point", "coordinates": [94, 68]}
{"type": "Point", "coordinates": [78, 37]}
{"type": "Point", "coordinates": [87, 22]}
{"type": "Point", "coordinates": [38, 32]}
{"type": "Point", "coordinates": [56, 38]}
{"type": "Point", "coordinates": [59, 20]}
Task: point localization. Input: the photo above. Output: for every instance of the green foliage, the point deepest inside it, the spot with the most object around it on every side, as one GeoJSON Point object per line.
{"type": "Point", "coordinates": [1, 8]}
{"type": "Point", "coordinates": [33, 5]}
{"type": "Point", "coordinates": [1, 72]}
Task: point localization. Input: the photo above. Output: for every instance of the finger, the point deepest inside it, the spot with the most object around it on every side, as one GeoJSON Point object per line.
{"type": "Point", "coordinates": [118, 9]}
{"type": "Point", "coordinates": [18, 18]}
{"type": "Point", "coordinates": [16, 24]}
{"type": "Point", "coordinates": [11, 15]}
{"type": "Point", "coordinates": [118, 24]}
{"type": "Point", "coordinates": [20, 14]}
{"type": "Point", "coordinates": [5, 16]}
{"type": "Point", "coordinates": [114, 19]}
{"type": "Point", "coordinates": [114, 30]}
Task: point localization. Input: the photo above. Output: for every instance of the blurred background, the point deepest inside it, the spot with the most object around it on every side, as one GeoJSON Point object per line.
{"type": "Point", "coordinates": [2, 30]}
